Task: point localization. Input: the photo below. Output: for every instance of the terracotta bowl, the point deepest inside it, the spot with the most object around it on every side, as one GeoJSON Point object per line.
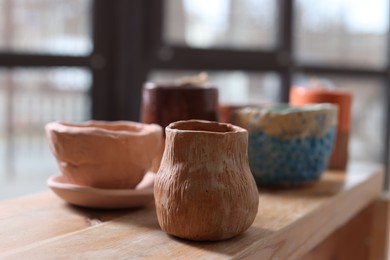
{"type": "Point", "coordinates": [100, 154]}
{"type": "Point", "coordinates": [288, 145]}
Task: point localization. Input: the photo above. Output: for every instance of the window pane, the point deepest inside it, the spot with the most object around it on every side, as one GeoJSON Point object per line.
{"type": "Point", "coordinates": [342, 32]}
{"type": "Point", "coordinates": [30, 98]}
{"type": "Point", "coordinates": [368, 115]}
{"type": "Point", "coordinates": [46, 26]}
{"type": "Point", "coordinates": [233, 24]}
{"type": "Point", "coordinates": [234, 87]}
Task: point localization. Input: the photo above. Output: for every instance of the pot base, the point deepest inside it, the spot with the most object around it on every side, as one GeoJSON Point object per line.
{"type": "Point", "coordinates": [103, 198]}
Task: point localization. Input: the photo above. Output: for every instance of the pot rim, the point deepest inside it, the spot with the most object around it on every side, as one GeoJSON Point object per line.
{"type": "Point", "coordinates": [97, 127]}
{"type": "Point", "coordinates": [285, 109]}
{"type": "Point", "coordinates": [322, 90]}
{"type": "Point", "coordinates": [175, 86]}
{"type": "Point", "coordinates": [233, 128]}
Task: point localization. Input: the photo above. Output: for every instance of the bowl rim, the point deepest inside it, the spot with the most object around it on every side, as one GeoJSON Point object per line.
{"type": "Point", "coordinates": [287, 109]}
{"type": "Point", "coordinates": [175, 86]}
{"type": "Point", "coordinates": [339, 92]}
{"type": "Point", "coordinates": [99, 127]}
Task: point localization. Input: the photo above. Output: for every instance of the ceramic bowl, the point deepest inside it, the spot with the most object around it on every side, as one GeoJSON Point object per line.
{"type": "Point", "coordinates": [100, 154]}
{"type": "Point", "coordinates": [288, 145]}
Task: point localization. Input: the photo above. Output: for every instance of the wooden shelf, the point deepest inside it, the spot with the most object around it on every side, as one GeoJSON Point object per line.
{"type": "Point", "coordinates": [290, 223]}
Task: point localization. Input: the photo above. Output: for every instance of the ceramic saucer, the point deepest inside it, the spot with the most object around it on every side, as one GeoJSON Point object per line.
{"type": "Point", "coordinates": [103, 198]}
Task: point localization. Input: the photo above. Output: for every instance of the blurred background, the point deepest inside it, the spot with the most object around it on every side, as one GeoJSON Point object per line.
{"type": "Point", "coordinates": [78, 60]}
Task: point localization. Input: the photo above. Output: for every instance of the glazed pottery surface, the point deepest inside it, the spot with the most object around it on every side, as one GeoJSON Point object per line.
{"type": "Point", "coordinates": [204, 189]}
{"type": "Point", "coordinates": [343, 99]}
{"type": "Point", "coordinates": [226, 111]}
{"type": "Point", "coordinates": [289, 145]}
{"type": "Point", "coordinates": [164, 104]}
{"type": "Point", "coordinates": [109, 155]}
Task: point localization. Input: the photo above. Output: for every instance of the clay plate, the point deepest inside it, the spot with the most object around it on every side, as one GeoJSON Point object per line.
{"type": "Point", "coordinates": [103, 198]}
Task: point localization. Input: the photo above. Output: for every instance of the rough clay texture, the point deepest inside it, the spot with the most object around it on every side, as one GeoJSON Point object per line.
{"type": "Point", "coordinates": [111, 155]}
{"type": "Point", "coordinates": [204, 189]}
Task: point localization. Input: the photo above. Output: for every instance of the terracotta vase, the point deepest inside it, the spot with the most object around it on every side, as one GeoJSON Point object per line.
{"type": "Point", "coordinates": [301, 95]}
{"type": "Point", "coordinates": [204, 189]}
{"type": "Point", "coordinates": [110, 155]}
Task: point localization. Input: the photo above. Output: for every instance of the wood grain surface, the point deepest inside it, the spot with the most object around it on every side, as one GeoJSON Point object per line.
{"type": "Point", "coordinates": [289, 223]}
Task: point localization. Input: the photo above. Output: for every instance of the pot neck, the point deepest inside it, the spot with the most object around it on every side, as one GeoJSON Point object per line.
{"type": "Point", "coordinates": [205, 147]}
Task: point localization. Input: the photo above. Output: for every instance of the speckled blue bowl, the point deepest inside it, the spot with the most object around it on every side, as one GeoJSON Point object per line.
{"type": "Point", "coordinates": [288, 145]}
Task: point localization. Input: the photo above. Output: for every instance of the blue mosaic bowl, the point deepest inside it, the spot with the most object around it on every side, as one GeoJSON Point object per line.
{"type": "Point", "coordinates": [288, 145]}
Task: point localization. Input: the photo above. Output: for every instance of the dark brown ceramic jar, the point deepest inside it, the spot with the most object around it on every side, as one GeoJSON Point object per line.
{"type": "Point", "coordinates": [164, 104]}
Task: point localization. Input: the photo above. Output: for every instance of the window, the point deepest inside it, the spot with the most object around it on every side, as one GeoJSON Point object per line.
{"type": "Point", "coordinates": [342, 33]}
{"type": "Point", "coordinates": [221, 24]}
{"type": "Point", "coordinates": [44, 26]}
{"type": "Point", "coordinates": [44, 47]}
{"type": "Point", "coordinates": [76, 60]}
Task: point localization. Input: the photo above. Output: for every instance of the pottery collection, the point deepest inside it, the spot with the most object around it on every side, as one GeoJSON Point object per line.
{"type": "Point", "coordinates": [203, 174]}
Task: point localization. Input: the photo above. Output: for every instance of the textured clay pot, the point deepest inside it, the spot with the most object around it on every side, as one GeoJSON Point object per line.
{"type": "Point", "coordinates": [300, 96]}
{"type": "Point", "coordinates": [110, 155]}
{"type": "Point", "coordinates": [204, 189]}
